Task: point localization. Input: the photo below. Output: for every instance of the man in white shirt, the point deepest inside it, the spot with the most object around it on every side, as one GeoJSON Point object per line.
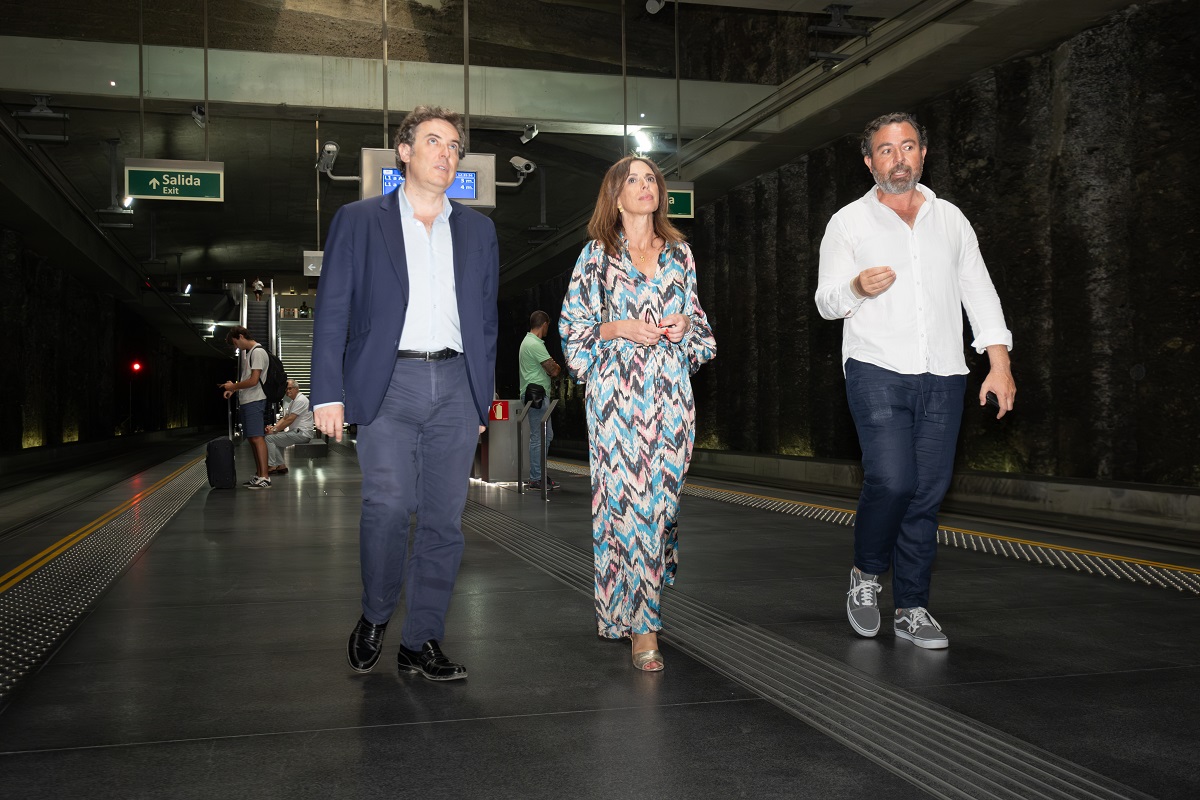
{"type": "Point", "coordinates": [898, 265]}
{"type": "Point", "coordinates": [296, 427]}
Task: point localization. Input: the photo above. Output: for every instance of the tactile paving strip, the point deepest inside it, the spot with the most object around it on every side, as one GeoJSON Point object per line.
{"type": "Point", "coordinates": [1124, 569]}
{"type": "Point", "coordinates": [38, 611]}
{"type": "Point", "coordinates": [945, 753]}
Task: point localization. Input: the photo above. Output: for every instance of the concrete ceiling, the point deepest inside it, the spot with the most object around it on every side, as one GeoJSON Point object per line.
{"type": "Point", "coordinates": [277, 205]}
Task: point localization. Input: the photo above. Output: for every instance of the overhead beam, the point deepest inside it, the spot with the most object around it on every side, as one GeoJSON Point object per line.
{"type": "Point", "coordinates": [560, 102]}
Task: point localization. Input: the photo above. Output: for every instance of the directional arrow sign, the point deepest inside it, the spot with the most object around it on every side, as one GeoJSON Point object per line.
{"type": "Point", "coordinates": [160, 179]}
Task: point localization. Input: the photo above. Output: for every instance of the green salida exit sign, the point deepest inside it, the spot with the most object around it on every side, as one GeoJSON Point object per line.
{"type": "Point", "coordinates": [680, 199]}
{"type": "Point", "coordinates": [163, 179]}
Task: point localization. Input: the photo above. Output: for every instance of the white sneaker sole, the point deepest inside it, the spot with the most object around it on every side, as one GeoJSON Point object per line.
{"type": "Point", "coordinates": [860, 630]}
{"type": "Point", "coordinates": [928, 644]}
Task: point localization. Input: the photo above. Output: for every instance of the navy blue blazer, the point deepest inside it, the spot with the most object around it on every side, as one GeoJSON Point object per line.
{"type": "Point", "coordinates": [363, 298]}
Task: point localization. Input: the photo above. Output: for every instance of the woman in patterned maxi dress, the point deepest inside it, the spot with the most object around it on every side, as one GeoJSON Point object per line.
{"type": "Point", "coordinates": [633, 330]}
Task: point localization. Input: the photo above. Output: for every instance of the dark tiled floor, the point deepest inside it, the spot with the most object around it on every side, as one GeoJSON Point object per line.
{"type": "Point", "coordinates": [215, 667]}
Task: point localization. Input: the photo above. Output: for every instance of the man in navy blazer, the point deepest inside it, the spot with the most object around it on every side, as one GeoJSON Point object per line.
{"type": "Point", "coordinates": [405, 347]}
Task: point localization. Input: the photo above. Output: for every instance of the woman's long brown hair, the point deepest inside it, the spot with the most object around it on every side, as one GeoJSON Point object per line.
{"type": "Point", "coordinates": [605, 225]}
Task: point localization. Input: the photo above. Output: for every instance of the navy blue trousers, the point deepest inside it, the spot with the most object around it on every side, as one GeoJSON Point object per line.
{"type": "Point", "coordinates": [416, 459]}
{"type": "Point", "coordinates": [907, 429]}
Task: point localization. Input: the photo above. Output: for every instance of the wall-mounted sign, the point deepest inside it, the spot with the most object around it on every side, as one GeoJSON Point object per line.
{"type": "Point", "coordinates": [680, 202]}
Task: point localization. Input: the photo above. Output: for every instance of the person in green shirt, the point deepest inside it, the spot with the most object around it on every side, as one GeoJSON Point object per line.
{"type": "Point", "coordinates": [537, 367]}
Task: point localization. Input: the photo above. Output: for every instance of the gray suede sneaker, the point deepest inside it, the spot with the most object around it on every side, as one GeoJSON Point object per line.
{"type": "Point", "coordinates": [862, 602]}
{"type": "Point", "coordinates": [916, 625]}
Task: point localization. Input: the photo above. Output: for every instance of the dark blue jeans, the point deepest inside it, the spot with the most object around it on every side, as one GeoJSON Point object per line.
{"type": "Point", "coordinates": [908, 429]}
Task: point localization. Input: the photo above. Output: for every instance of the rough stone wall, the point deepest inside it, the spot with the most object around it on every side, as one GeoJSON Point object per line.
{"type": "Point", "coordinates": [70, 348]}
{"type": "Point", "coordinates": [60, 353]}
{"type": "Point", "coordinates": [1072, 166]}
{"type": "Point", "coordinates": [1075, 169]}
{"type": "Point", "coordinates": [717, 43]}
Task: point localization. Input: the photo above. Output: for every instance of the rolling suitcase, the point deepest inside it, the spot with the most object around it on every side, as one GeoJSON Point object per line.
{"type": "Point", "coordinates": [219, 462]}
{"type": "Point", "coordinates": [219, 459]}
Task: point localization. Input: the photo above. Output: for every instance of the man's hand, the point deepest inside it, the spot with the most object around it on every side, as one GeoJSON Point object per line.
{"type": "Point", "coordinates": [228, 393]}
{"type": "Point", "coordinates": [482, 428]}
{"type": "Point", "coordinates": [999, 380]}
{"type": "Point", "coordinates": [227, 387]}
{"type": "Point", "coordinates": [873, 281]}
{"type": "Point", "coordinates": [329, 420]}
{"type": "Point", "coordinates": [675, 327]}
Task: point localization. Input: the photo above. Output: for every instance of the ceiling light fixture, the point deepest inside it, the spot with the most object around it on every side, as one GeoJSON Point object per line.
{"type": "Point", "coordinates": [655, 6]}
{"type": "Point", "coordinates": [643, 141]}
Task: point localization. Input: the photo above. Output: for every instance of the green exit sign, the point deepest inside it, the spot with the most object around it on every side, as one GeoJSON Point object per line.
{"type": "Point", "coordinates": [680, 200]}
{"type": "Point", "coordinates": [162, 179]}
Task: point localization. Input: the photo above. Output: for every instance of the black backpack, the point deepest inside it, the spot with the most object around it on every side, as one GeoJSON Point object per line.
{"type": "Point", "coordinates": [274, 380]}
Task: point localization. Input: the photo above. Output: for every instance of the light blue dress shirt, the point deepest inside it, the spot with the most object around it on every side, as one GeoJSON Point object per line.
{"type": "Point", "coordinates": [431, 321]}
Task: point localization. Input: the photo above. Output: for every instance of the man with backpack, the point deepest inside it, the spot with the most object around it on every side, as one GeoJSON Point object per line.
{"type": "Point", "coordinates": [252, 400]}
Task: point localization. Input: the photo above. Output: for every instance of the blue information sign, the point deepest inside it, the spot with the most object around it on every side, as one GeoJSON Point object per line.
{"type": "Point", "coordinates": [463, 187]}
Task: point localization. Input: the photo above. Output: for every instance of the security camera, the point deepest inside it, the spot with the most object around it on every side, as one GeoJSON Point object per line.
{"type": "Point", "coordinates": [329, 154]}
{"type": "Point", "coordinates": [531, 131]}
{"type": "Point", "coordinates": [199, 116]}
{"type": "Point", "coordinates": [522, 165]}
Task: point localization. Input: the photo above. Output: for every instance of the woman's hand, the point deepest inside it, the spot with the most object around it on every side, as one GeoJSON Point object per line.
{"type": "Point", "coordinates": [639, 332]}
{"type": "Point", "coordinates": [675, 327]}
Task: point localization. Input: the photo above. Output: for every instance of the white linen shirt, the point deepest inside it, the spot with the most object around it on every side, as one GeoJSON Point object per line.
{"type": "Point", "coordinates": [915, 326]}
{"type": "Point", "coordinates": [431, 321]}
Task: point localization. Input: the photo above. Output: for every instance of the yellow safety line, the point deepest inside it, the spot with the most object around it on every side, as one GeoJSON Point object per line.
{"type": "Point", "coordinates": [18, 574]}
{"type": "Point", "coordinates": [998, 537]}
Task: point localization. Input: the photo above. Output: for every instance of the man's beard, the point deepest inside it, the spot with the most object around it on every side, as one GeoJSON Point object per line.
{"type": "Point", "coordinates": [890, 185]}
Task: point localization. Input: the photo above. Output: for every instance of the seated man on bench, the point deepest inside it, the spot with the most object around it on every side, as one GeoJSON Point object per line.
{"type": "Point", "coordinates": [296, 427]}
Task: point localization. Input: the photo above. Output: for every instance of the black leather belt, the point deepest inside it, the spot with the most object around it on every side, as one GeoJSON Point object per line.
{"type": "Point", "coordinates": [427, 355]}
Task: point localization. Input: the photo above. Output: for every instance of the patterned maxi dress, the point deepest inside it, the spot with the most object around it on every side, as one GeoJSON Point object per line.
{"type": "Point", "coordinates": [641, 423]}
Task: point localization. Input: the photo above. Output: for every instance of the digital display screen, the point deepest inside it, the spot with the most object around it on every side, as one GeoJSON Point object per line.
{"type": "Point", "coordinates": [463, 187]}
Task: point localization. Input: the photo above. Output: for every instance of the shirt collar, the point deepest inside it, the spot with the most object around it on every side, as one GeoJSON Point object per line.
{"type": "Point", "coordinates": [406, 209]}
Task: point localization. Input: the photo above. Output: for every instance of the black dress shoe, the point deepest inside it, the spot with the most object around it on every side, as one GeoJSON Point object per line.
{"type": "Point", "coordinates": [430, 662]}
{"type": "Point", "coordinates": [365, 645]}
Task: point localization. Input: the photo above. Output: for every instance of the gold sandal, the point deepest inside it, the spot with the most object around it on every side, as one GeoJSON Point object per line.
{"type": "Point", "coordinates": [640, 660]}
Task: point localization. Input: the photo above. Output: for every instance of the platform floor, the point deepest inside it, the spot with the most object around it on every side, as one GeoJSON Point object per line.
{"type": "Point", "coordinates": [214, 666]}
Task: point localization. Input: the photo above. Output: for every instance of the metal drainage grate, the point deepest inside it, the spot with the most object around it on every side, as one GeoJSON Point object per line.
{"type": "Point", "coordinates": [1166, 576]}
{"type": "Point", "coordinates": [947, 754]}
{"type": "Point", "coordinates": [39, 610]}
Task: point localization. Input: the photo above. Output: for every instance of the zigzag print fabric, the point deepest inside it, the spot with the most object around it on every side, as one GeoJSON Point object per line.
{"type": "Point", "coordinates": [641, 423]}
